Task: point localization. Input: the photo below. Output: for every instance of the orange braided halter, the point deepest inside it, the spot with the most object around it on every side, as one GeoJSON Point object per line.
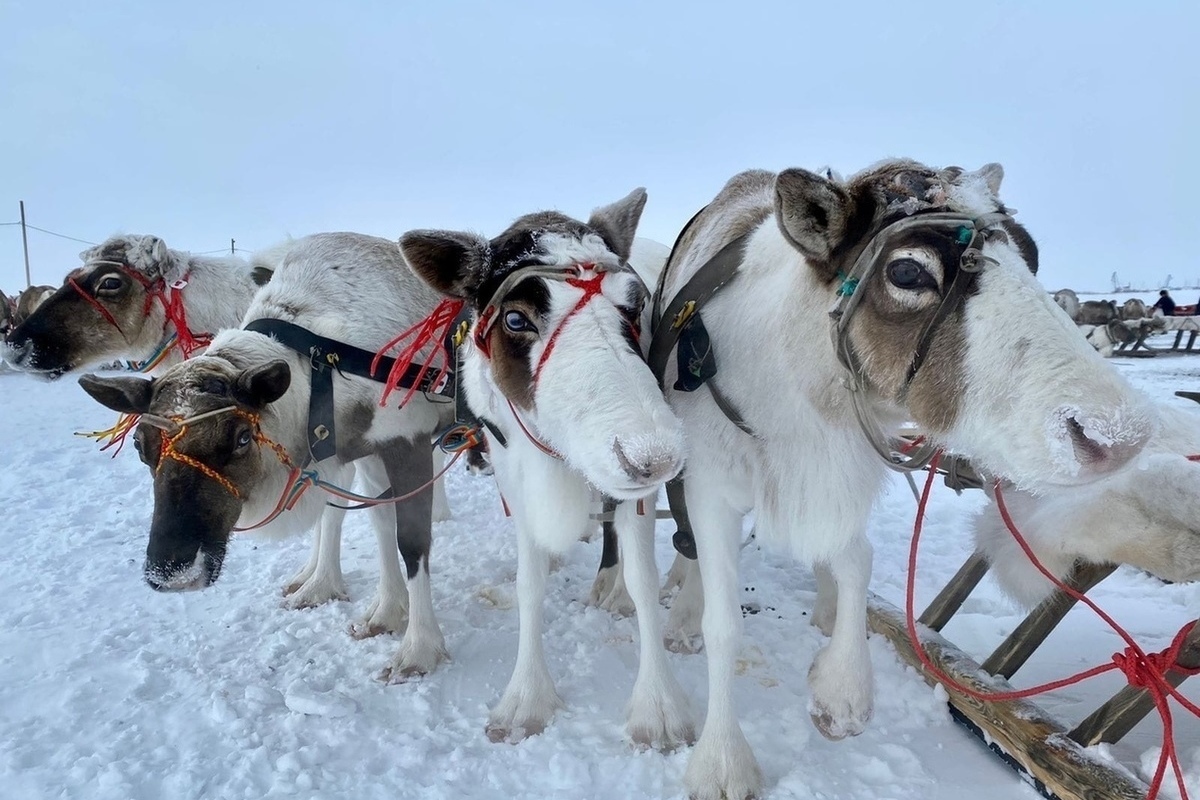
{"type": "Point", "coordinates": [167, 444]}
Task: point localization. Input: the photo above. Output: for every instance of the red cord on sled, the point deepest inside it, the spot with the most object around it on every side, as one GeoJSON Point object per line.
{"type": "Point", "coordinates": [433, 328]}
{"type": "Point", "coordinates": [1142, 670]}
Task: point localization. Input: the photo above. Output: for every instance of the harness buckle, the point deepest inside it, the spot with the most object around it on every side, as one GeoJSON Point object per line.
{"type": "Point", "coordinates": [684, 315]}
{"type": "Point", "coordinates": [460, 335]}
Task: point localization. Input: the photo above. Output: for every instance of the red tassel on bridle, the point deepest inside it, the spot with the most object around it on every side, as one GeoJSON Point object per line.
{"type": "Point", "coordinates": [434, 328]}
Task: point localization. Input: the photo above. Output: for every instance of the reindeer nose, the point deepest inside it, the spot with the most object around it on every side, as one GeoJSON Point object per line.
{"type": "Point", "coordinates": [648, 461]}
{"type": "Point", "coordinates": [16, 354]}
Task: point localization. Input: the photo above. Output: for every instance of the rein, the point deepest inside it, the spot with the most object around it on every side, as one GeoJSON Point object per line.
{"type": "Point", "coordinates": [1143, 670]}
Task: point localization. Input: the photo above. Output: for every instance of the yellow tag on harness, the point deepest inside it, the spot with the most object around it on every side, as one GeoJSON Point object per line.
{"type": "Point", "coordinates": [684, 315]}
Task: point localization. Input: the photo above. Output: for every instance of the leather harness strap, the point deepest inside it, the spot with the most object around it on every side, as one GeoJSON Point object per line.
{"type": "Point", "coordinates": [327, 356]}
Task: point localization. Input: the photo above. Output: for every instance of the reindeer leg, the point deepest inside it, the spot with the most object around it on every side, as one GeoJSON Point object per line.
{"type": "Point", "coordinates": [325, 582]}
{"type": "Point", "coordinates": [722, 765]}
{"type": "Point", "coordinates": [825, 610]}
{"type": "Point", "coordinates": [321, 579]}
{"type": "Point", "coordinates": [441, 505]}
{"type": "Point", "coordinates": [659, 715]}
{"type": "Point", "coordinates": [530, 699]}
{"type": "Point", "coordinates": [840, 677]}
{"type": "Point", "coordinates": [409, 466]}
{"type": "Point", "coordinates": [388, 612]}
{"type": "Point", "coordinates": [683, 624]}
{"type": "Point", "coordinates": [608, 590]}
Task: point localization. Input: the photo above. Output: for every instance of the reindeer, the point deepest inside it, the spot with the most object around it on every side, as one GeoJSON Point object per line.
{"type": "Point", "coordinates": [28, 301]}
{"type": "Point", "coordinates": [1068, 301]}
{"type": "Point", "coordinates": [1134, 309]}
{"type": "Point", "coordinates": [1097, 312]}
{"type": "Point", "coordinates": [132, 299]}
{"type": "Point", "coordinates": [913, 270]}
{"type": "Point", "coordinates": [1146, 515]}
{"type": "Point", "coordinates": [8, 311]}
{"type": "Point", "coordinates": [135, 299]}
{"type": "Point", "coordinates": [555, 369]}
{"type": "Point", "coordinates": [225, 433]}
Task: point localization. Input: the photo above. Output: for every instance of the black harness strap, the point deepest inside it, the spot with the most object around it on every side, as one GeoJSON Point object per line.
{"type": "Point", "coordinates": [326, 356]}
{"type": "Point", "coordinates": [681, 314]}
{"type": "Point", "coordinates": [714, 274]}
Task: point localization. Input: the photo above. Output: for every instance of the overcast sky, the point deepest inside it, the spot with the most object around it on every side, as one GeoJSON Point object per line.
{"type": "Point", "coordinates": [203, 121]}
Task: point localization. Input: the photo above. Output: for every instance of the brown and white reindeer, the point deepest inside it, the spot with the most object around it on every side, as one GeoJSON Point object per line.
{"type": "Point", "coordinates": [920, 268]}
{"type": "Point", "coordinates": [8, 313]}
{"type": "Point", "coordinates": [224, 432]}
{"type": "Point", "coordinates": [135, 299]}
{"type": "Point", "coordinates": [554, 366]}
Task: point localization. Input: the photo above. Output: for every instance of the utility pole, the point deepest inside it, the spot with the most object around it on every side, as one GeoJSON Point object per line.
{"type": "Point", "coordinates": [232, 249]}
{"type": "Point", "coordinates": [25, 245]}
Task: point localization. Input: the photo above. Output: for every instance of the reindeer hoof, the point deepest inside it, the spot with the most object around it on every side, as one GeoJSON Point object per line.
{"type": "Point", "coordinates": [514, 734]}
{"type": "Point", "coordinates": [363, 630]}
{"type": "Point", "coordinates": [684, 644]}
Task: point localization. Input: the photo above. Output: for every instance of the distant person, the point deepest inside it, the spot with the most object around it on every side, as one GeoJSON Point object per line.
{"type": "Point", "coordinates": [1165, 303]}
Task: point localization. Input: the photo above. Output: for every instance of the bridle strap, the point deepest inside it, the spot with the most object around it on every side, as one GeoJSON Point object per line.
{"type": "Point", "coordinates": [587, 276]}
{"type": "Point", "coordinates": [849, 296]}
{"type": "Point", "coordinates": [591, 287]}
{"type": "Point", "coordinates": [173, 309]}
{"type": "Point", "coordinates": [96, 304]}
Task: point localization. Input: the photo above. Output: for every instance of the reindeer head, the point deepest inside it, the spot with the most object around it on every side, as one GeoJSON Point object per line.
{"type": "Point", "coordinates": [200, 435]}
{"type": "Point", "coordinates": [103, 311]}
{"type": "Point", "coordinates": [935, 269]}
{"type": "Point", "coordinates": [558, 316]}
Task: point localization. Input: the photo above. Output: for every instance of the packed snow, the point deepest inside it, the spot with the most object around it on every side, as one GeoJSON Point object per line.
{"type": "Point", "coordinates": [110, 690]}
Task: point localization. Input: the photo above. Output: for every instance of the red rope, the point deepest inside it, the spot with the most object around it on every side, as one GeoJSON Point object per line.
{"type": "Point", "coordinates": [591, 287]}
{"type": "Point", "coordinates": [538, 443]}
{"type": "Point", "coordinates": [1141, 669]}
{"type": "Point", "coordinates": [433, 328]}
{"type": "Point", "coordinates": [173, 308]}
{"type": "Point", "coordinates": [104, 312]}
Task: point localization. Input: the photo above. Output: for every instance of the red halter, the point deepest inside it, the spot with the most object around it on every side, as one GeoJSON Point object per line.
{"type": "Point", "coordinates": [187, 341]}
{"type": "Point", "coordinates": [591, 286]}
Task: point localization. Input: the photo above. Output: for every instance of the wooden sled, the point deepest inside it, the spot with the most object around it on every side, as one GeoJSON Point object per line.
{"type": "Point", "coordinates": [1045, 750]}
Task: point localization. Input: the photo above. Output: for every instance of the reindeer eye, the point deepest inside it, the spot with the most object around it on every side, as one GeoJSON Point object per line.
{"type": "Point", "coordinates": [906, 273]}
{"type": "Point", "coordinates": [244, 438]}
{"type": "Point", "coordinates": [517, 322]}
{"type": "Point", "coordinates": [109, 284]}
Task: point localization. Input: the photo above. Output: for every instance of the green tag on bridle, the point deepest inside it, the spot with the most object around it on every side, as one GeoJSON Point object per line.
{"type": "Point", "coordinates": [964, 235]}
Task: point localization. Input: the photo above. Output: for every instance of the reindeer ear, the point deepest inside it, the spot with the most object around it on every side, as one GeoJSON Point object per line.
{"type": "Point", "coordinates": [992, 174]}
{"type": "Point", "coordinates": [812, 212]}
{"type": "Point", "coordinates": [259, 386]}
{"type": "Point", "coordinates": [617, 223]}
{"type": "Point", "coordinates": [125, 395]}
{"type": "Point", "coordinates": [453, 263]}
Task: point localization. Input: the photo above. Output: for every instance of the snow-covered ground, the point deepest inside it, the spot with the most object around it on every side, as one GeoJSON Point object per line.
{"type": "Point", "coordinates": [109, 690]}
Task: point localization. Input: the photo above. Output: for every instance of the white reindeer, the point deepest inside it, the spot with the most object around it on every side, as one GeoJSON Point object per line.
{"type": "Point", "coordinates": [215, 471]}
{"type": "Point", "coordinates": [1146, 514]}
{"type": "Point", "coordinates": [922, 267]}
{"type": "Point", "coordinates": [554, 367]}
